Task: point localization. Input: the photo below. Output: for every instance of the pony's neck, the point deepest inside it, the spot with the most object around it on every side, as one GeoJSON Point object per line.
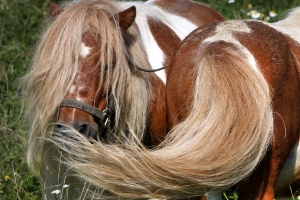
{"type": "Point", "coordinates": [155, 25]}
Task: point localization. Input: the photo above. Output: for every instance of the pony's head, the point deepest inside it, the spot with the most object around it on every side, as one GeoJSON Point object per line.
{"type": "Point", "coordinates": [89, 104]}
{"type": "Point", "coordinates": [86, 55]}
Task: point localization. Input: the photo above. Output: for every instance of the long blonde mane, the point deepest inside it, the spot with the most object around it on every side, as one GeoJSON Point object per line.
{"type": "Point", "coordinates": [57, 61]}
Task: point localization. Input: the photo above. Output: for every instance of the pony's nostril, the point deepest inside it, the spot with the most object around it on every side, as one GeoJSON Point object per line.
{"type": "Point", "coordinates": [57, 127]}
{"type": "Point", "coordinates": [81, 127]}
{"type": "Point", "coordinates": [84, 129]}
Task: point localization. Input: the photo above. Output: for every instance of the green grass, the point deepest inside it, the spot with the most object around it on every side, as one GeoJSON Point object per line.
{"type": "Point", "coordinates": [240, 8]}
{"type": "Point", "coordinates": [20, 22]}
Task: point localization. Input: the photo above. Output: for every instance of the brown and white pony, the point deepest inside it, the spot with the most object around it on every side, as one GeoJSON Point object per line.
{"type": "Point", "coordinates": [233, 99]}
{"type": "Point", "coordinates": [88, 62]}
{"type": "Point", "coordinates": [243, 76]}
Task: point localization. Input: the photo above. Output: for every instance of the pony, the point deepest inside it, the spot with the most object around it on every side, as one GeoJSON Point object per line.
{"type": "Point", "coordinates": [232, 101]}
{"type": "Point", "coordinates": [250, 69]}
{"type": "Point", "coordinates": [90, 73]}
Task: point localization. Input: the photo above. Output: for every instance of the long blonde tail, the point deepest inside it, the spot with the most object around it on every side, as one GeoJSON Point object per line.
{"type": "Point", "coordinates": [225, 135]}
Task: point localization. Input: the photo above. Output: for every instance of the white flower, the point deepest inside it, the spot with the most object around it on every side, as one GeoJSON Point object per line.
{"type": "Point", "coordinates": [255, 14]}
{"type": "Point", "coordinates": [272, 13]}
{"type": "Point", "coordinates": [231, 1]}
{"type": "Point", "coordinates": [267, 19]}
{"type": "Point", "coordinates": [56, 192]}
{"type": "Point", "coordinates": [65, 186]}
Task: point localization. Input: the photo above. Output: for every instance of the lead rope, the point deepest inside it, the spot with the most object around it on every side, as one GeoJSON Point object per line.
{"type": "Point", "coordinates": [142, 69]}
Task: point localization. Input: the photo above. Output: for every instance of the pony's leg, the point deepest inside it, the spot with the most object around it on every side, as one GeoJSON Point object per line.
{"type": "Point", "coordinates": [260, 185]}
{"type": "Point", "coordinates": [289, 180]}
{"type": "Point", "coordinates": [214, 196]}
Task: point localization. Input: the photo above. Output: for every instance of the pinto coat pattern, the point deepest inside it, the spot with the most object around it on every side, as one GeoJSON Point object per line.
{"type": "Point", "coordinates": [90, 53]}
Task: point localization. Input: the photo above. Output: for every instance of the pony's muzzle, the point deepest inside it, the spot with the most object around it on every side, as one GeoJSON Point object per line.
{"type": "Point", "coordinates": [82, 127]}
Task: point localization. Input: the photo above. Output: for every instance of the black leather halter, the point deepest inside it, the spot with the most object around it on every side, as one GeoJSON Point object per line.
{"type": "Point", "coordinates": [105, 115]}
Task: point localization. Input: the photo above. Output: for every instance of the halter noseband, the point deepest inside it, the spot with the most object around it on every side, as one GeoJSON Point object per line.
{"type": "Point", "coordinates": [104, 116]}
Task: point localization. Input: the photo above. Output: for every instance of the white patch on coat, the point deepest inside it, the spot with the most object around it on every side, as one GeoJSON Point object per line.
{"type": "Point", "coordinates": [181, 26]}
{"type": "Point", "coordinates": [290, 25]}
{"type": "Point", "coordinates": [74, 91]}
{"type": "Point", "coordinates": [224, 32]}
{"type": "Point", "coordinates": [84, 50]}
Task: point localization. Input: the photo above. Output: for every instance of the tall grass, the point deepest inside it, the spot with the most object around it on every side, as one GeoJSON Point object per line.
{"type": "Point", "coordinates": [20, 22]}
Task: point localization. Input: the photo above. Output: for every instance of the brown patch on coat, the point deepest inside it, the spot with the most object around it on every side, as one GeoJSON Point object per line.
{"type": "Point", "coordinates": [166, 39]}
{"type": "Point", "coordinates": [157, 113]}
{"type": "Point", "coordinates": [197, 13]}
{"type": "Point", "coordinates": [277, 57]}
{"type": "Point", "coordinates": [295, 181]}
{"type": "Point", "coordinates": [184, 76]}
{"type": "Point", "coordinates": [276, 61]}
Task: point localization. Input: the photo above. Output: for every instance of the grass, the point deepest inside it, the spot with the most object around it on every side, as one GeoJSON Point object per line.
{"type": "Point", "coordinates": [20, 22]}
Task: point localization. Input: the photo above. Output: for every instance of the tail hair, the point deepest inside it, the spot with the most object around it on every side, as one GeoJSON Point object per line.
{"type": "Point", "coordinates": [225, 135]}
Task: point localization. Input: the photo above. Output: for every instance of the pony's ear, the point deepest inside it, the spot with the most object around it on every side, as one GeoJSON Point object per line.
{"type": "Point", "coordinates": [54, 10]}
{"type": "Point", "coordinates": [126, 18]}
